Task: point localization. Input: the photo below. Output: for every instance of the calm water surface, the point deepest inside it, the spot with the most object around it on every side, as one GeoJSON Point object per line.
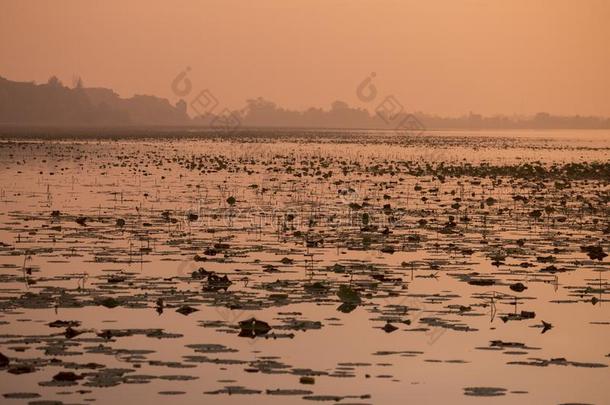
{"type": "Point", "coordinates": [384, 277]}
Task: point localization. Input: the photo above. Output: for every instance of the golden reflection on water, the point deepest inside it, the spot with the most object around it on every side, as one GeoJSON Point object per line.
{"type": "Point", "coordinates": [350, 356]}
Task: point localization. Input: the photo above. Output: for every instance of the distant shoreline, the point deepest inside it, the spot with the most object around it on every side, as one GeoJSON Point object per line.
{"type": "Point", "coordinates": [18, 132]}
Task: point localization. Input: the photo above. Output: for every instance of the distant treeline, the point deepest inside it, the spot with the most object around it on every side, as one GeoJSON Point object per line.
{"type": "Point", "coordinates": [52, 103]}
{"type": "Point", "coordinates": [263, 113]}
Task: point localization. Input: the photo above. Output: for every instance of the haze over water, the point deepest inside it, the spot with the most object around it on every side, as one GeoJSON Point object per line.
{"type": "Point", "coordinates": [97, 232]}
{"type": "Point", "coordinates": [304, 202]}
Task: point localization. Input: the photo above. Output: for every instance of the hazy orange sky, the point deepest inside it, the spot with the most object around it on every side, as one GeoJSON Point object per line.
{"type": "Point", "coordinates": [438, 56]}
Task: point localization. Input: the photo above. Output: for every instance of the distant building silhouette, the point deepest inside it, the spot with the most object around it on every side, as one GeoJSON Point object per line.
{"type": "Point", "coordinates": [52, 103]}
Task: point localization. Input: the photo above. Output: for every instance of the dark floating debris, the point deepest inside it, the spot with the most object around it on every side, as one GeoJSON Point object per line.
{"type": "Point", "coordinates": [594, 252]}
{"type": "Point", "coordinates": [322, 398]}
{"type": "Point", "coordinates": [518, 316]}
{"type": "Point", "coordinates": [560, 361]}
{"type": "Point", "coordinates": [159, 305]}
{"type": "Point", "coordinates": [484, 391]}
{"type": "Point", "coordinates": [288, 392]}
{"type": "Point", "coordinates": [22, 395]}
{"type": "Point", "coordinates": [200, 273]}
{"type": "Point", "coordinates": [346, 307]}
{"type": "Point", "coordinates": [253, 327]}
{"type": "Point", "coordinates": [316, 288]}
{"type": "Point", "coordinates": [63, 324]}
{"type": "Point", "coordinates": [71, 332]}
{"type": "Point", "coordinates": [482, 282]}
{"type": "Point", "coordinates": [21, 369]}
{"type": "Point", "coordinates": [389, 328]}
{"type": "Point", "coordinates": [186, 310]}
{"type": "Point", "coordinates": [67, 376]}
{"type": "Point", "coordinates": [115, 279]}
{"type": "Point", "coordinates": [307, 380]}
{"type": "Point", "coordinates": [109, 302]}
{"type": "Point", "coordinates": [210, 348]}
{"type": "Point", "coordinates": [518, 287]}
{"type": "Point", "coordinates": [234, 390]}
{"type": "Point", "coordinates": [216, 282]}
{"type": "Point", "coordinates": [287, 260]}
{"type": "Point", "coordinates": [348, 295]}
{"type": "Point", "coordinates": [546, 326]}
{"type": "Point", "coordinates": [4, 361]}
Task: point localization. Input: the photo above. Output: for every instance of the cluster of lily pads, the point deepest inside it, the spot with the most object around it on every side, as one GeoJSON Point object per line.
{"type": "Point", "coordinates": [252, 244]}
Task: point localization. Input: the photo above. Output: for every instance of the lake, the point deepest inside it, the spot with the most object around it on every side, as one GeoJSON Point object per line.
{"type": "Point", "coordinates": [291, 266]}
